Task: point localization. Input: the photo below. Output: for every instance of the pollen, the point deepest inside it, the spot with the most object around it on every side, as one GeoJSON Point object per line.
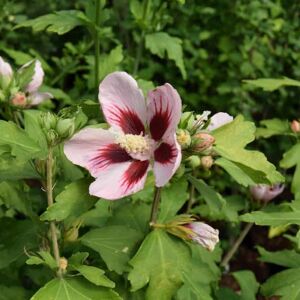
{"type": "Point", "coordinates": [133, 143]}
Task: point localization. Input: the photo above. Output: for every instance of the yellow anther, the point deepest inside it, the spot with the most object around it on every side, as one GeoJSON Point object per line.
{"type": "Point", "coordinates": [133, 143]}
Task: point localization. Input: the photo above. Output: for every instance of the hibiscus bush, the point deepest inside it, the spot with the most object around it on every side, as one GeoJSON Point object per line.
{"type": "Point", "coordinates": [137, 159]}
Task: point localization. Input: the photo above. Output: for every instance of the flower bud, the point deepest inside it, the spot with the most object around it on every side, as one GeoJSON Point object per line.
{"type": "Point", "coordinates": [183, 138]}
{"type": "Point", "coordinates": [203, 141]}
{"type": "Point", "coordinates": [193, 161]}
{"type": "Point", "coordinates": [52, 137]}
{"type": "Point", "coordinates": [265, 193]}
{"type": "Point", "coordinates": [48, 120]}
{"type": "Point", "coordinates": [203, 234]}
{"type": "Point", "coordinates": [63, 264]}
{"type": "Point", "coordinates": [19, 100]}
{"type": "Point", "coordinates": [207, 162]}
{"type": "Point", "coordinates": [65, 128]}
{"type": "Point", "coordinates": [295, 126]}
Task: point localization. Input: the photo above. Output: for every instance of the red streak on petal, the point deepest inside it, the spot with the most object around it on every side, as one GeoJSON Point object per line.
{"type": "Point", "coordinates": [110, 154]}
{"type": "Point", "coordinates": [160, 121]}
{"type": "Point", "coordinates": [165, 153]}
{"type": "Point", "coordinates": [135, 173]}
{"type": "Point", "coordinates": [127, 119]}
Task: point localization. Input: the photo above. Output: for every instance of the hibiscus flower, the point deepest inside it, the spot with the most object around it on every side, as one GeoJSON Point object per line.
{"type": "Point", "coordinates": [28, 95]}
{"type": "Point", "coordinates": [142, 137]}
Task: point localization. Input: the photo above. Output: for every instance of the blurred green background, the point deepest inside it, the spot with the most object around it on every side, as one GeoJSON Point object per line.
{"type": "Point", "coordinates": [204, 48]}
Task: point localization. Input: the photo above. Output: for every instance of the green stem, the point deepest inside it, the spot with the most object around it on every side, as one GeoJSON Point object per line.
{"type": "Point", "coordinates": [236, 245]}
{"type": "Point", "coordinates": [53, 229]}
{"type": "Point", "coordinates": [97, 44]}
{"type": "Point", "coordinates": [191, 198]}
{"type": "Point", "coordinates": [141, 42]}
{"type": "Point", "coordinates": [155, 206]}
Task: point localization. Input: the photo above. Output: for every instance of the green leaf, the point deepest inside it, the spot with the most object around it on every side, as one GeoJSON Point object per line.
{"type": "Point", "coordinates": [132, 215]}
{"type": "Point", "coordinates": [230, 142]}
{"type": "Point", "coordinates": [74, 289]}
{"type": "Point", "coordinates": [70, 203]}
{"type": "Point", "coordinates": [34, 130]}
{"type": "Point", "coordinates": [213, 199]}
{"type": "Point", "coordinates": [160, 43]}
{"type": "Point", "coordinates": [273, 127]}
{"type": "Point", "coordinates": [290, 159]}
{"type": "Point", "coordinates": [59, 22]}
{"type": "Point", "coordinates": [249, 285]}
{"type": "Point", "coordinates": [19, 57]}
{"type": "Point", "coordinates": [25, 75]}
{"type": "Point", "coordinates": [13, 293]}
{"type": "Point", "coordinates": [12, 168]}
{"type": "Point", "coordinates": [238, 172]}
{"type": "Point", "coordinates": [43, 258]}
{"type": "Point", "coordinates": [285, 258]}
{"type": "Point", "coordinates": [16, 236]}
{"type": "Point", "coordinates": [20, 144]}
{"type": "Point", "coordinates": [199, 273]}
{"type": "Point", "coordinates": [269, 84]}
{"type": "Point", "coordinates": [12, 195]}
{"type": "Point", "coordinates": [115, 244]}
{"type": "Point", "coordinates": [272, 218]}
{"type": "Point", "coordinates": [95, 276]}
{"type": "Point", "coordinates": [173, 198]}
{"type": "Point", "coordinates": [285, 284]}
{"type": "Point", "coordinates": [159, 263]}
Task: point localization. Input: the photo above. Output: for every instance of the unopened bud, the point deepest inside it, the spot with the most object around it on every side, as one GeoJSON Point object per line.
{"type": "Point", "coordinates": [19, 100]}
{"type": "Point", "coordinates": [203, 141]}
{"type": "Point", "coordinates": [295, 126]}
{"type": "Point", "coordinates": [65, 127]}
{"type": "Point", "coordinates": [48, 121]}
{"type": "Point", "coordinates": [52, 137]}
{"type": "Point", "coordinates": [265, 193]}
{"type": "Point", "coordinates": [203, 234]}
{"type": "Point", "coordinates": [183, 138]}
{"type": "Point", "coordinates": [193, 161]}
{"type": "Point", "coordinates": [71, 235]}
{"type": "Point", "coordinates": [207, 162]}
{"type": "Point", "coordinates": [63, 264]}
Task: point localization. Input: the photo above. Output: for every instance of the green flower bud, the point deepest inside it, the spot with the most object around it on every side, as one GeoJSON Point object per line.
{"type": "Point", "coordinates": [65, 128]}
{"type": "Point", "coordinates": [202, 141]}
{"type": "Point", "coordinates": [183, 138]}
{"type": "Point", "coordinates": [48, 121]}
{"type": "Point", "coordinates": [52, 137]}
{"type": "Point", "coordinates": [193, 161]}
{"type": "Point", "coordinates": [206, 162]}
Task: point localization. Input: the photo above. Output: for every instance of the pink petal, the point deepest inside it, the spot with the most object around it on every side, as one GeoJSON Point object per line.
{"type": "Point", "coordinates": [218, 120]}
{"type": "Point", "coordinates": [123, 103]}
{"type": "Point", "coordinates": [37, 98]}
{"type": "Point", "coordinates": [95, 150]}
{"type": "Point", "coordinates": [5, 68]}
{"type": "Point", "coordinates": [164, 111]}
{"type": "Point", "coordinates": [120, 180]}
{"type": "Point", "coordinates": [37, 78]}
{"type": "Point", "coordinates": [167, 158]}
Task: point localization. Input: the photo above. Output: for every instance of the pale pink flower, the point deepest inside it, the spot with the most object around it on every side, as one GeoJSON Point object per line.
{"type": "Point", "coordinates": [142, 137]}
{"type": "Point", "coordinates": [35, 97]}
{"type": "Point", "coordinates": [31, 93]}
{"type": "Point", "coordinates": [5, 68]}
{"type": "Point", "coordinates": [218, 120]}
{"type": "Point", "coordinates": [265, 193]}
{"type": "Point", "coordinates": [203, 234]}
